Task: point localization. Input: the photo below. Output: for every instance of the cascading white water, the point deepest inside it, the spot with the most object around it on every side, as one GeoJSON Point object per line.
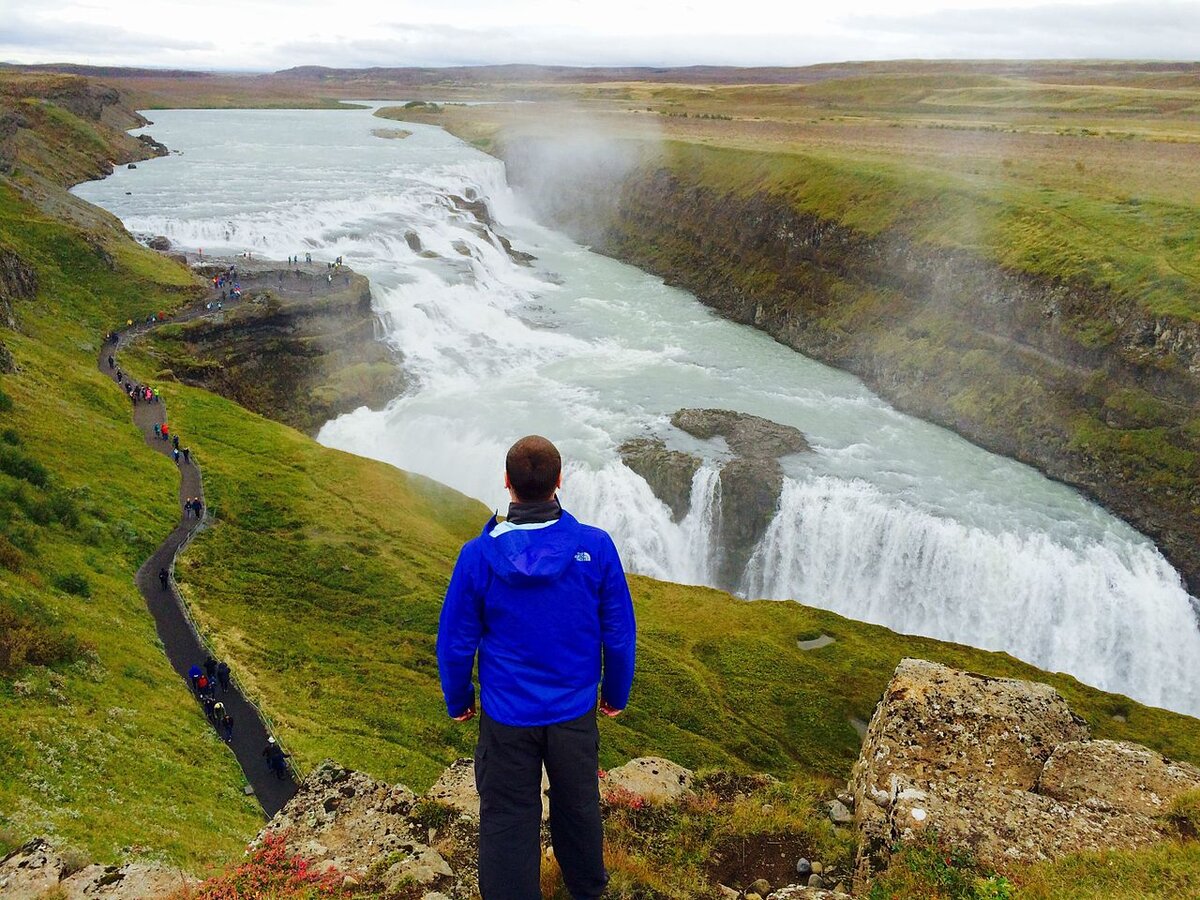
{"type": "Point", "coordinates": [1077, 608]}
{"type": "Point", "coordinates": [888, 520]}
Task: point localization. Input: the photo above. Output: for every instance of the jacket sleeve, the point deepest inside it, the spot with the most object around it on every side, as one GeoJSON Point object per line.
{"type": "Point", "coordinates": [459, 631]}
{"type": "Point", "coordinates": [618, 632]}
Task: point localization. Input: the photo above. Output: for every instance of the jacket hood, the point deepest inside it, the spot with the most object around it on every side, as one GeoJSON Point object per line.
{"type": "Point", "coordinates": [531, 556]}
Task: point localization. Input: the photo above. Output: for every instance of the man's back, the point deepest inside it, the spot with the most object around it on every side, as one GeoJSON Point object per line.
{"type": "Point", "coordinates": [548, 608]}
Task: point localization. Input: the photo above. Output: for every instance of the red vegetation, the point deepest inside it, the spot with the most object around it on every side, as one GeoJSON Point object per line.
{"type": "Point", "coordinates": [272, 872]}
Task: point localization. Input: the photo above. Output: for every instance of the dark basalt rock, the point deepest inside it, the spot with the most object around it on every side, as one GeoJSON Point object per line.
{"type": "Point", "coordinates": [750, 483]}
{"type": "Point", "coordinates": [750, 489]}
{"type": "Point", "coordinates": [18, 280]}
{"type": "Point", "coordinates": [478, 208]}
{"type": "Point", "coordinates": [746, 435]}
{"type": "Point", "coordinates": [668, 472]}
{"type": "Point", "coordinates": [158, 149]}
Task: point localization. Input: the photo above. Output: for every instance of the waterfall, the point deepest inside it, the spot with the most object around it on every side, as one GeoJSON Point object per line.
{"type": "Point", "coordinates": [1113, 615]}
{"type": "Point", "coordinates": [889, 520]}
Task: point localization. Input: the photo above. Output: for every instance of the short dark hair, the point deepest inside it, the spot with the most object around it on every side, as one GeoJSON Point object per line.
{"type": "Point", "coordinates": [533, 466]}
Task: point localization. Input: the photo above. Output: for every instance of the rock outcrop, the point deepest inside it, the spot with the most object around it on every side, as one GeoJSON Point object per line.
{"type": "Point", "coordinates": [37, 871]}
{"type": "Point", "coordinates": [1003, 767]}
{"type": "Point", "coordinates": [386, 841]}
{"type": "Point", "coordinates": [18, 281]}
{"type": "Point", "coordinates": [750, 483]}
{"type": "Point", "coordinates": [159, 242]}
{"type": "Point", "coordinates": [301, 347]}
{"type": "Point", "coordinates": [650, 777]}
{"type": "Point", "coordinates": [749, 436]}
{"type": "Point", "coordinates": [668, 472]}
{"type": "Point", "coordinates": [364, 828]}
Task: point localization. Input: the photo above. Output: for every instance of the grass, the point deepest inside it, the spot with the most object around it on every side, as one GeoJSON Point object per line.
{"type": "Point", "coordinates": [103, 749]}
{"type": "Point", "coordinates": [1167, 870]}
{"type": "Point", "coordinates": [1144, 251]}
{"type": "Point", "coordinates": [679, 850]}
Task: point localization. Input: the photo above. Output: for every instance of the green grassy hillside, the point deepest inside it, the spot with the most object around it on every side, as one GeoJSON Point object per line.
{"type": "Point", "coordinates": [101, 745]}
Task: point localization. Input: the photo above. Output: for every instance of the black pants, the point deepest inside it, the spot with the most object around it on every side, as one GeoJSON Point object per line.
{"type": "Point", "coordinates": [508, 773]}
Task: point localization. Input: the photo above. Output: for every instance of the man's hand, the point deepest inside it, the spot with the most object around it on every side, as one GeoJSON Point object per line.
{"type": "Point", "coordinates": [609, 710]}
{"type": "Point", "coordinates": [466, 716]}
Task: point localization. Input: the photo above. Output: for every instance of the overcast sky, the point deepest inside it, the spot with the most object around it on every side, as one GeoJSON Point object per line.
{"type": "Point", "coordinates": [274, 34]}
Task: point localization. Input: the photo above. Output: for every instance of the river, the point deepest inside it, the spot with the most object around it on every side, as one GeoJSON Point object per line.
{"type": "Point", "coordinates": [889, 520]}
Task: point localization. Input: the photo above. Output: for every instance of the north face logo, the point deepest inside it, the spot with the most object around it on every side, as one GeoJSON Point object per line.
{"type": "Point", "coordinates": [583, 556]}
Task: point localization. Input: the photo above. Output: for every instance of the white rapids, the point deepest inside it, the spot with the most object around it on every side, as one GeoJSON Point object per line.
{"type": "Point", "coordinates": [889, 520]}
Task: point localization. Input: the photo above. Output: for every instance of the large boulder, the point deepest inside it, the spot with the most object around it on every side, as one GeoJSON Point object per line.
{"type": "Point", "coordinates": [159, 242]}
{"type": "Point", "coordinates": [1003, 767]}
{"type": "Point", "coordinates": [31, 871]}
{"type": "Point", "coordinates": [746, 435]}
{"type": "Point", "coordinates": [668, 472]}
{"type": "Point", "coordinates": [750, 483]}
{"type": "Point", "coordinates": [456, 788]}
{"type": "Point", "coordinates": [750, 489]}
{"type": "Point", "coordinates": [1117, 774]}
{"type": "Point", "coordinates": [651, 778]}
{"type": "Point", "coordinates": [132, 881]}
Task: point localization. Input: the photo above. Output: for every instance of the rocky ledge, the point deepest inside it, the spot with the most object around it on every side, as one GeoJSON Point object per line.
{"type": "Point", "coordinates": [37, 871]}
{"type": "Point", "coordinates": [1002, 767]}
{"type": "Point", "coordinates": [383, 838]}
{"type": "Point", "coordinates": [750, 482]}
{"type": "Point", "coordinates": [301, 346]}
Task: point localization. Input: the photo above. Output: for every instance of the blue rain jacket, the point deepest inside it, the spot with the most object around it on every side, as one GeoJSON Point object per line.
{"type": "Point", "coordinates": [548, 609]}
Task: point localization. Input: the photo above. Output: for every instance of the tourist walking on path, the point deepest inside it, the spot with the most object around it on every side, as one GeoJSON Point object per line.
{"type": "Point", "coordinates": [276, 758]}
{"type": "Point", "coordinates": [181, 644]}
{"type": "Point", "coordinates": [223, 676]}
{"type": "Point", "coordinates": [542, 599]}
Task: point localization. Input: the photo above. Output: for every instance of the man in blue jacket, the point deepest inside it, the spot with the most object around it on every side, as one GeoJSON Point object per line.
{"type": "Point", "coordinates": [543, 600]}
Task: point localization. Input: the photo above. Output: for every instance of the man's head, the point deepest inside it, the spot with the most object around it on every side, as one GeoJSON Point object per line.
{"type": "Point", "coordinates": [533, 469]}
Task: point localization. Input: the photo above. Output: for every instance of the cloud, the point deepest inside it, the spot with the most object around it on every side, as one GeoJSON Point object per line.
{"type": "Point", "coordinates": [1167, 29]}
{"type": "Point", "coordinates": [268, 34]}
{"type": "Point", "coordinates": [448, 45]}
{"type": "Point", "coordinates": [77, 39]}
